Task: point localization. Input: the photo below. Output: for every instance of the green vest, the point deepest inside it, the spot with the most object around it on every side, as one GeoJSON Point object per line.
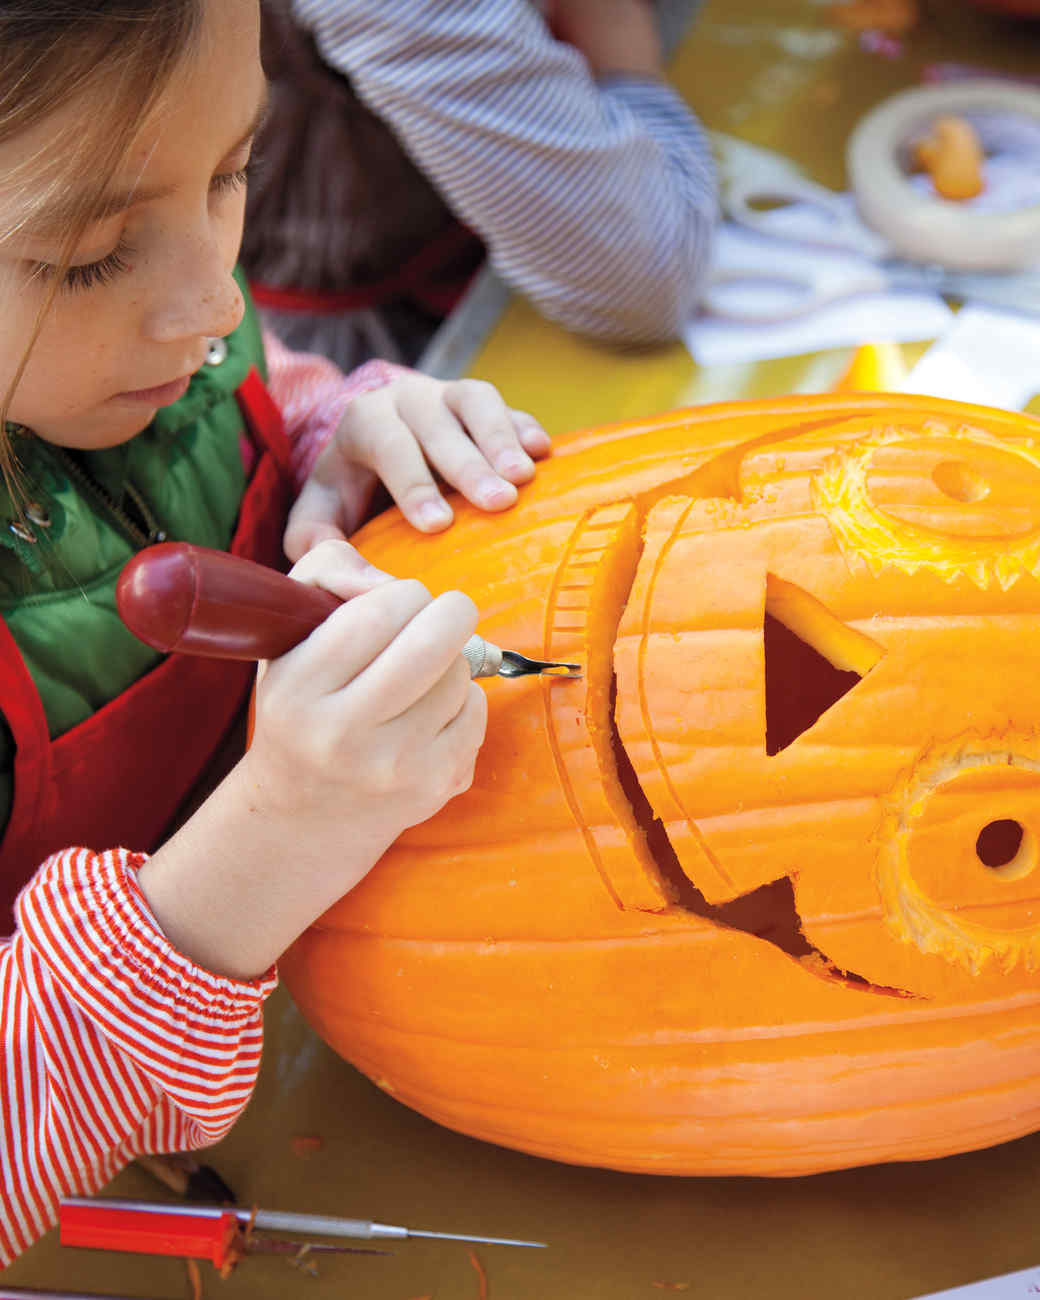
{"type": "Point", "coordinates": [88, 514]}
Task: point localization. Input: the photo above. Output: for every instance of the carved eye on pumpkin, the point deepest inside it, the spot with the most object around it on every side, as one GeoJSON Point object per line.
{"type": "Point", "coordinates": [950, 885]}
{"type": "Point", "coordinates": [759, 894]}
{"type": "Point", "coordinates": [956, 501]}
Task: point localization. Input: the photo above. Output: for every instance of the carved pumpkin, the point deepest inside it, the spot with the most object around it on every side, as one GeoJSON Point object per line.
{"type": "Point", "coordinates": [758, 895]}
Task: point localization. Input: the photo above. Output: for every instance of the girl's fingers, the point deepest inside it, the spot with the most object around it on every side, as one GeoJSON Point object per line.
{"type": "Point", "coordinates": [463, 432]}
{"type": "Point", "coordinates": [451, 451]}
{"type": "Point", "coordinates": [336, 565]}
{"type": "Point", "coordinates": [433, 745]}
{"type": "Point", "coordinates": [422, 652]}
{"type": "Point", "coordinates": [535, 440]}
{"type": "Point", "coordinates": [353, 636]}
{"type": "Point", "coordinates": [331, 504]}
{"type": "Point", "coordinates": [438, 706]}
{"type": "Point", "coordinates": [390, 449]}
{"type": "Point", "coordinates": [458, 742]}
{"type": "Point", "coordinates": [489, 422]}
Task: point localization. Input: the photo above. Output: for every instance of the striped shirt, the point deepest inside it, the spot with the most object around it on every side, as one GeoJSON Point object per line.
{"type": "Point", "coordinates": [595, 199]}
{"type": "Point", "coordinates": [113, 1043]}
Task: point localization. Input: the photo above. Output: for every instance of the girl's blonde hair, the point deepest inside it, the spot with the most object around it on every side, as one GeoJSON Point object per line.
{"type": "Point", "coordinates": [115, 57]}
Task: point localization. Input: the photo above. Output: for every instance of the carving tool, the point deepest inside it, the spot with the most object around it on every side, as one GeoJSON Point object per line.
{"type": "Point", "coordinates": [33, 1293]}
{"type": "Point", "coordinates": [193, 600]}
{"type": "Point", "coordinates": [92, 1221]}
{"type": "Point", "coordinates": [215, 1233]}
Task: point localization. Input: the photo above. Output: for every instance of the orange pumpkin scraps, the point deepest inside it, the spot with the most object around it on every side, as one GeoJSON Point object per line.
{"type": "Point", "coordinates": [482, 1282]}
{"type": "Point", "coordinates": [952, 156]}
{"type": "Point", "coordinates": [305, 1144]}
{"type": "Point", "coordinates": [811, 957]}
{"type": "Point", "coordinates": [893, 17]}
{"type": "Point", "coordinates": [874, 368]}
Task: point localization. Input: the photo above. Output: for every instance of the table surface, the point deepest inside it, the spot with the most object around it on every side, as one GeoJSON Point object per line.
{"type": "Point", "coordinates": [780, 75]}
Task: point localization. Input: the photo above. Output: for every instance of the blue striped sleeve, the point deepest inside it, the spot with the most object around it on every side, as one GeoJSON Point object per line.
{"type": "Point", "coordinates": [595, 199]}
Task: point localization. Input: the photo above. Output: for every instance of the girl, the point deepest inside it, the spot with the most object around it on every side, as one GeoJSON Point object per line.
{"type": "Point", "coordinates": [134, 409]}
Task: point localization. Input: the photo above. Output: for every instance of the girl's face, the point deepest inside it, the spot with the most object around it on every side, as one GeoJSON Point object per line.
{"type": "Point", "coordinates": [151, 279]}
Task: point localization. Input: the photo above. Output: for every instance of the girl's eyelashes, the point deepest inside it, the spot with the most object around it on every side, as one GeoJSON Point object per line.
{"type": "Point", "coordinates": [89, 275]}
{"type": "Point", "coordinates": [234, 180]}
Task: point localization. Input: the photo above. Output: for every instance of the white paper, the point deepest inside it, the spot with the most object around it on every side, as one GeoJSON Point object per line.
{"type": "Point", "coordinates": [880, 316]}
{"type": "Point", "coordinates": [988, 357]}
{"type": "Point", "coordinates": [1024, 1285]}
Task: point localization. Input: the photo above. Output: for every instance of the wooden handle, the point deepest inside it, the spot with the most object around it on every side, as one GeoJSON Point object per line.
{"type": "Point", "coordinates": [194, 600]}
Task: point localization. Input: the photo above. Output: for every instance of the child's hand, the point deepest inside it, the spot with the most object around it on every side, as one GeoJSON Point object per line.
{"type": "Point", "coordinates": [404, 434]}
{"type": "Point", "coordinates": [367, 727]}
{"type": "Point", "coordinates": [372, 723]}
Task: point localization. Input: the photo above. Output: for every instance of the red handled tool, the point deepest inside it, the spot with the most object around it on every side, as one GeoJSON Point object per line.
{"type": "Point", "coordinates": [114, 1224]}
{"type": "Point", "coordinates": [220, 1235]}
{"type": "Point", "coordinates": [193, 600]}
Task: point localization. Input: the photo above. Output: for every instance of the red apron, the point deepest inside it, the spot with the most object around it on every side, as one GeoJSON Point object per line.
{"type": "Point", "coordinates": [118, 778]}
{"type": "Point", "coordinates": [434, 278]}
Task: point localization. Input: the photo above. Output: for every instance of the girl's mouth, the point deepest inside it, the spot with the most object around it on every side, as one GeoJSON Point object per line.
{"type": "Point", "coordinates": [162, 395]}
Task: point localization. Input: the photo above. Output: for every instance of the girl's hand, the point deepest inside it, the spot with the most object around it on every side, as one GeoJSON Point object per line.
{"type": "Point", "coordinates": [367, 727]}
{"type": "Point", "coordinates": [373, 723]}
{"type": "Point", "coordinates": [405, 434]}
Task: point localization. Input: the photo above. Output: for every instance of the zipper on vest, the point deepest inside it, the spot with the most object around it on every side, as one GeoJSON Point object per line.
{"type": "Point", "coordinates": [137, 521]}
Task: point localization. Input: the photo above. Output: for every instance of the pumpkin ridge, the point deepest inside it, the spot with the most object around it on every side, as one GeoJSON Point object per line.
{"type": "Point", "coordinates": [588, 584]}
{"type": "Point", "coordinates": [918, 1015]}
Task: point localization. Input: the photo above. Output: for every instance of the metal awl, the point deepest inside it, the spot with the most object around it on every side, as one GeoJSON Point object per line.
{"type": "Point", "coordinates": [92, 1221]}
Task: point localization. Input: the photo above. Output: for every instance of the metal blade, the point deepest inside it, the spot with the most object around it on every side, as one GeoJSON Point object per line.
{"type": "Point", "coordinates": [518, 665]}
{"type": "Point", "coordinates": [480, 1241]}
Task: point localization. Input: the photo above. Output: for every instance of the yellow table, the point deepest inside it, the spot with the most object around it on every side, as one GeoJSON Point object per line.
{"type": "Point", "coordinates": [780, 75]}
{"type": "Point", "coordinates": [774, 71]}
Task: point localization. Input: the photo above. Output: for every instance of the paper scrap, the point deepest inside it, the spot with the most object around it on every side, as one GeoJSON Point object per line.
{"type": "Point", "coordinates": [1024, 1285]}
{"type": "Point", "coordinates": [991, 358]}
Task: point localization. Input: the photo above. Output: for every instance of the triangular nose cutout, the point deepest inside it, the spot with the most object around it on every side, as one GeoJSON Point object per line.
{"type": "Point", "coordinates": [802, 640]}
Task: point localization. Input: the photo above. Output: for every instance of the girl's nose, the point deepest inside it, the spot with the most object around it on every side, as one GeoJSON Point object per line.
{"type": "Point", "coordinates": [198, 298]}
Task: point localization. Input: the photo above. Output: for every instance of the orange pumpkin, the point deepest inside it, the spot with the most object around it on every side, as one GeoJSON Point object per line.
{"type": "Point", "coordinates": [759, 894]}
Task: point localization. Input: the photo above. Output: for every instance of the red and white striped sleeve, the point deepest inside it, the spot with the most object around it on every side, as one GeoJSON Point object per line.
{"type": "Point", "coordinates": [114, 1044]}
{"type": "Point", "coordinates": [312, 394]}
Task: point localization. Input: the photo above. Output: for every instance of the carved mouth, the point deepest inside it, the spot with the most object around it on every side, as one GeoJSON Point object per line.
{"type": "Point", "coordinates": [768, 913]}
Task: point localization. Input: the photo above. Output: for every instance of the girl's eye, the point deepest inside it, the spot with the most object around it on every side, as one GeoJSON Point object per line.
{"type": "Point", "coordinates": [235, 180]}
{"type": "Point", "coordinates": [89, 275]}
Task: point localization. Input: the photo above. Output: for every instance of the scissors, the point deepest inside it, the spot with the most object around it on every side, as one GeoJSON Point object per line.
{"type": "Point", "coordinates": [825, 253]}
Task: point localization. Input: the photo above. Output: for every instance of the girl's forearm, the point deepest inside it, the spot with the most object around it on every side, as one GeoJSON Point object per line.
{"type": "Point", "coordinates": [242, 879]}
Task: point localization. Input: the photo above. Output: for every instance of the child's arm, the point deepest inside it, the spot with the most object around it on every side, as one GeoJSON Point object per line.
{"type": "Point", "coordinates": [367, 727]}
{"type": "Point", "coordinates": [130, 996]}
{"type": "Point", "coordinates": [391, 424]}
{"type": "Point", "coordinates": [114, 1044]}
{"type": "Point", "coordinates": [590, 182]}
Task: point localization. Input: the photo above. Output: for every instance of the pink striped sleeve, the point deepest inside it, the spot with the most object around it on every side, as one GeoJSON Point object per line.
{"type": "Point", "coordinates": [113, 1042]}
{"type": "Point", "coordinates": [313, 393]}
